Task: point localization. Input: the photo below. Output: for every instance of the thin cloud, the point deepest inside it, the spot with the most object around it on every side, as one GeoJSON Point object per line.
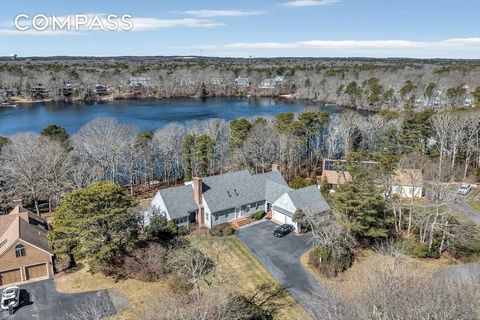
{"type": "Point", "coordinates": [308, 3]}
{"type": "Point", "coordinates": [221, 13]}
{"type": "Point", "coordinates": [358, 44]}
{"type": "Point", "coordinates": [140, 24]}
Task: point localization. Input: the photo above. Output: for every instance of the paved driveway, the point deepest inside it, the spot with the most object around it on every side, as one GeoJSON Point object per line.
{"type": "Point", "coordinates": [281, 257]}
{"type": "Point", "coordinates": [42, 301]}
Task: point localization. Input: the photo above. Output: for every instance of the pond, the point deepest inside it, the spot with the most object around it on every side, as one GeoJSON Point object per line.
{"type": "Point", "coordinates": [145, 114]}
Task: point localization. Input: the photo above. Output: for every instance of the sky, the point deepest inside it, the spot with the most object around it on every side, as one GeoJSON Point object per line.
{"type": "Point", "coordinates": [249, 28]}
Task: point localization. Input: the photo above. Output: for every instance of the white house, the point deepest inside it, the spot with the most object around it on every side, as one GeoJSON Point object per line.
{"type": "Point", "coordinates": [242, 81]}
{"type": "Point", "coordinates": [224, 198]}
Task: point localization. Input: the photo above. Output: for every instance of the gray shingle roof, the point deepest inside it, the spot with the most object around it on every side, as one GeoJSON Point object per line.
{"type": "Point", "coordinates": [235, 189]}
{"type": "Point", "coordinates": [274, 190]}
{"type": "Point", "coordinates": [231, 190]}
{"type": "Point", "coordinates": [179, 200]}
{"type": "Point", "coordinates": [309, 199]}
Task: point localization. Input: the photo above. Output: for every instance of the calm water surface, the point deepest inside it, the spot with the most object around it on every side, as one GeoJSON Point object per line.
{"type": "Point", "coordinates": [145, 114]}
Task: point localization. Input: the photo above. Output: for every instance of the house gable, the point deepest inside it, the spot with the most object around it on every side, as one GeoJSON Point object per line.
{"type": "Point", "coordinates": [285, 203]}
{"type": "Point", "coordinates": [33, 255]}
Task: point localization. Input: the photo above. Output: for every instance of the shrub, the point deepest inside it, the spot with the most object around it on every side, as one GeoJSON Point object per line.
{"type": "Point", "coordinates": [221, 230]}
{"type": "Point", "coordinates": [179, 284]}
{"type": "Point", "coordinates": [258, 215]}
{"type": "Point", "coordinates": [420, 250]}
{"type": "Point", "coordinates": [146, 263]}
{"type": "Point", "coordinates": [228, 231]}
{"type": "Point", "coordinates": [329, 262]}
{"type": "Point", "coordinates": [62, 262]}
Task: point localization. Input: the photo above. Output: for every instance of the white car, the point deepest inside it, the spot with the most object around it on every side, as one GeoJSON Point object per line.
{"type": "Point", "coordinates": [10, 298]}
{"type": "Point", "coordinates": [464, 189]}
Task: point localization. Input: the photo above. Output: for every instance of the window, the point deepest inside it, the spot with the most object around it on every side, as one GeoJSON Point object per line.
{"type": "Point", "coordinates": [206, 216]}
{"type": "Point", "coordinates": [329, 164]}
{"type": "Point", "coordinates": [180, 220]}
{"type": "Point", "coordinates": [216, 217]}
{"type": "Point", "coordinates": [226, 214]}
{"type": "Point", "coordinates": [20, 250]}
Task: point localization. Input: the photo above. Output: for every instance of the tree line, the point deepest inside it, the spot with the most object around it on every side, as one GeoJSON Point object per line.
{"type": "Point", "coordinates": [44, 167]}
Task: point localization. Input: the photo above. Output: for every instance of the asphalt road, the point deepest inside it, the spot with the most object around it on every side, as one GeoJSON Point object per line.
{"type": "Point", "coordinates": [41, 300]}
{"type": "Point", "coordinates": [281, 257]}
{"type": "Point", "coordinates": [461, 205]}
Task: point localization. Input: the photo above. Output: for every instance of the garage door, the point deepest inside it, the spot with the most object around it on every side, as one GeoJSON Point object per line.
{"type": "Point", "coordinates": [280, 217]}
{"type": "Point", "coordinates": [36, 271]}
{"type": "Point", "coordinates": [10, 276]}
{"type": "Point", "coordinates": [277, 216]}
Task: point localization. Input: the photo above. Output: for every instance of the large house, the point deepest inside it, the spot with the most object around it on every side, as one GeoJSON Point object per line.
{"type": "Point", "coordinates": [408, 183]}
{"type": "Point", "coordinates": [24, 250]}
{"type": "Point", "coordinates": [224, 198]}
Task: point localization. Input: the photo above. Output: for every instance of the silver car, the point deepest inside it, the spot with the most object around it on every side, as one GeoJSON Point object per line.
{"type": "Point", "coordinates": [464, 189]}
{"type": "Point", "coordinates": [10, 298]}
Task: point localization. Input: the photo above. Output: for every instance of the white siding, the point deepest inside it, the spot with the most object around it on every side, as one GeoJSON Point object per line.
{"type": "Point", "coordinates": [206, 209]}
{"type": "Point", "coordinates": [158, 203]}
{"type": "Point", "coordinates": [286, 203]}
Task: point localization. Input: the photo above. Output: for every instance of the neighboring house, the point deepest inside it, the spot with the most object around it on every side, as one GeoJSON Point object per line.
{"type": "Point", "coordinates": [267, 84]}
{"type": "Point", "coordinates": [38, 91]}
{"type": "Point", "coordinates": [217, 81]}
{"type": "Point", "coordinates": [272, 82]}
{"type": "Point", "coordinates": [468, 102]}
{"type": "Point", "coordinates": [101, 90]}
{"type": "Point", "coordinates": [241, 81]}
{"type": "Point", "coordinates": [139, 81]}
{"type": "Point", "coordinates": [406, 182]}
{"type": "Point", "coordinates": [224, 198]}
{"type": "Point", "coordinates": [187, 82]}
{"type": "Point", "coordinates": [24, 251]}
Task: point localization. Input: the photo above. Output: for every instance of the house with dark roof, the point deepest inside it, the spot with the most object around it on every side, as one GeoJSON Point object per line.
{"type": "Point", "coordinates": [24, 251]}
{"type": "Point", "coordinates": [214, 200]}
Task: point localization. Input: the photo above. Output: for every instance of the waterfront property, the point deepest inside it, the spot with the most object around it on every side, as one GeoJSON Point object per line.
{"type": "Point", "coordinates": [24, 250]}
{"type": "Point", "coordinates": [224, 198]}
{"type": "Point", "coordinates": [242, 81]}
{"type": "Point", "coordinates": [101, 90]}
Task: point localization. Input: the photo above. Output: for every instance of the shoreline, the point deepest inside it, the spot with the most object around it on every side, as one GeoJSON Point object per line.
{"type": "Point", "coordinates": [112, 98]}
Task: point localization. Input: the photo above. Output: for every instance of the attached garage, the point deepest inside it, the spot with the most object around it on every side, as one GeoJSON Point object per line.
{"type": "Point", "coordinates": [36, 271]}
{"type": "Point", "coordinates": [10, 276]}
{"type": "Point", "coordinates": [281, 216]}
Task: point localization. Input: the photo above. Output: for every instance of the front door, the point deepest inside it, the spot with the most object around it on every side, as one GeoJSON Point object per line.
{"type": "Point", "coordinates": [238, 213]}
{"type": "Point", "coordinates": [192, 217]}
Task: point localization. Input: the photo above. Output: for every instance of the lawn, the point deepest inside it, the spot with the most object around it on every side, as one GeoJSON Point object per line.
{"type": "Point", "coordinates": [246, 272]}
{"type": "Point", "coordinates": [235, 265]}
{"type": "Point", "coordinates": [133, 290]}
{"type": "Point", "coordinates": [348, 284]}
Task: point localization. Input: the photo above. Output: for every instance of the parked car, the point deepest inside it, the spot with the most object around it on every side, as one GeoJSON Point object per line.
{"type": "Point", "coordinates": [10, 298]}
{"type": "Point", "coordinates": [283, 230]}
{"type": "Point", "coordinates": [464, 189]}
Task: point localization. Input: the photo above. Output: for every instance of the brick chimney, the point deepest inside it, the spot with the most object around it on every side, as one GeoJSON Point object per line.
{"type": "Point", "coordinates": [197, 196]}
{"type": "Point", "coordinates": [197, 190]}
{"type": "Point", "coordinates": [17, 202]}
{"type": "Point", "coordinates": [275, 167]}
